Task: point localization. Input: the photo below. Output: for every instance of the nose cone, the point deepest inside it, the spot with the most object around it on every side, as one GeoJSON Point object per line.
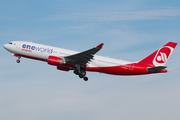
{"type": "Point", "coordinates": [5, 46]}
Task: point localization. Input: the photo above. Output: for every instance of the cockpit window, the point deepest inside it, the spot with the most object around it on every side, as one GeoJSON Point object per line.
{"type": "Point", "coordinates": [10, 43]}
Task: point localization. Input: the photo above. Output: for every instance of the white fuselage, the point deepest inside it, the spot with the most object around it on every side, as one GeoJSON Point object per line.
{"type": "Point", "coordinates": [41, 51]}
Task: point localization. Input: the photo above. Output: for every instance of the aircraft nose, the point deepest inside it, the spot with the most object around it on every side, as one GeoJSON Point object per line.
{"type": "Point", "coordinates": [5, 46]}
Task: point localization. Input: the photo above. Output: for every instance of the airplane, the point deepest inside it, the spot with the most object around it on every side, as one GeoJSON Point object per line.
{"type": "Point", "coordinates": [80, 62]}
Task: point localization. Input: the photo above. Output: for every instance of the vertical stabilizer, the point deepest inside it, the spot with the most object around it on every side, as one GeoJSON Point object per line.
{"type": "Point", "coordinates": [159, 57]}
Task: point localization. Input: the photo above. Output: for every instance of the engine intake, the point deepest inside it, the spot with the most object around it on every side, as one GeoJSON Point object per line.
{"type": "Point", "coordinates": [53, 60]}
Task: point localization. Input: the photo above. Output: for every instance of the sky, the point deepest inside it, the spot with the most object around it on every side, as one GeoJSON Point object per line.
{"type": "Point", "coordinates": [129, 29]}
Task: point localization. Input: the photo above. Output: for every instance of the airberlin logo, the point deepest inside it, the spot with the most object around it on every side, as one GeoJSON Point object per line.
{"type": "Point", "coordinates": [162, 58]}
{"type": "Point", "coordinates": [162, 55]}
{"type": "Point", "coordinates": [29, 48]}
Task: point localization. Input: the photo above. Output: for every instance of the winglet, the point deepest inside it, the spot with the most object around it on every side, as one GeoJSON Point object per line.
{"type": "Point", "coordinates": [100, 45]}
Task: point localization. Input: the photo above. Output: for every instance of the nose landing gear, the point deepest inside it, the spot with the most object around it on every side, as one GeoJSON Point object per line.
{"type": "Point", "coordinates": [18, 60]}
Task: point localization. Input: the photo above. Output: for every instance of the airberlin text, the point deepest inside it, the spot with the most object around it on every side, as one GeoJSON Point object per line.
{"type": "Point", "coordinates": [28, 48]}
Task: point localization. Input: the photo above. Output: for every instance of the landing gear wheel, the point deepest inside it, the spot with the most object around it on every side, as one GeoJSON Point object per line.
{"type": "Point", "coordinates": [76, 72]}
{"type": "Point", "coordinates": [85, 78]}
{"type": "Point", "coordinates": [18, 61]}
{"type": "Point", "coordinates": [81, 76]}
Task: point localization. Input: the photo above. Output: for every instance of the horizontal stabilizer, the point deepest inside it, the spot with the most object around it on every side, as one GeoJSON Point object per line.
{"type": "Point", "coordinates": [156, 69]}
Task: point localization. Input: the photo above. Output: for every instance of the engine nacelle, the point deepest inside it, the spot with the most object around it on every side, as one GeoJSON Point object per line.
{"type": "Point", "coordinates": [53, 60]}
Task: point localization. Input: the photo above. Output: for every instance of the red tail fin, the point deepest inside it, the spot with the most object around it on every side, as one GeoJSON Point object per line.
{"type": "Point", "coordinates": [159, 57]}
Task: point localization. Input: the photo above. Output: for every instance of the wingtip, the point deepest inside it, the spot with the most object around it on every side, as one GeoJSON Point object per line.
{"type": "Point", "coordinates": [100, 45]}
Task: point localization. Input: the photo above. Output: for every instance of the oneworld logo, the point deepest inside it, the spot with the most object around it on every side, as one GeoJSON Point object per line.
{"type": "Point", "coordinates": [28, 48]}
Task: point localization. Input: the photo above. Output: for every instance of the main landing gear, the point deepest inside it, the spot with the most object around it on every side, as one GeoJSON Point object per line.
{"type": "Point", "coordinates": [80, 72]}
{"type": "Point", "coordinates": [18, 60]}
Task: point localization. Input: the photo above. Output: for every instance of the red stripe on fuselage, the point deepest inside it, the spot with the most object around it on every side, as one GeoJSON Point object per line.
{"type": "Point", "coordinates": [128, 69]}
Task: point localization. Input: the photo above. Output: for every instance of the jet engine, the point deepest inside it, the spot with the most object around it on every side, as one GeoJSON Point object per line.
{"type": "Point", "coordinates": [53, 60]}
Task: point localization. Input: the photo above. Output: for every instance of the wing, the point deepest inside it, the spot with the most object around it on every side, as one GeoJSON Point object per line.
{"type": "Point", "coordinates": [83, 58]}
